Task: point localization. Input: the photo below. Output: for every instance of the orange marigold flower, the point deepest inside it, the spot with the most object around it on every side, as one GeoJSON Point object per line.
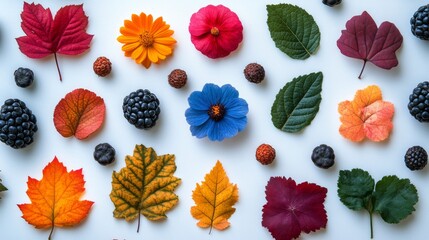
{"type": "Point", "coordinates": [146, 41]}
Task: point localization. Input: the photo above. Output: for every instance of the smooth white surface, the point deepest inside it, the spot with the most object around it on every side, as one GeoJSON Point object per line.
{"type": "Point", "coordinates": [195, 157]}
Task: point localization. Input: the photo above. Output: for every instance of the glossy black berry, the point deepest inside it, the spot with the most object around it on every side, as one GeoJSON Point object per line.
{"type": "Point", "coordinates": [17, 124]}
{"type": "Point", "coordinates": [331, 3]}
{"type": "Point", "coordinates": [419, 102]}
{"type": "Point", "coordinates": [104, 153]}
{"type": "Point", "coordinates": [323, 156]}
{"type": "Point", "coordinates": [416, 158]}
{"type": "Point", "coordinates": [23, 77]}
{"type": "Point", "coordinates": [141, 109]}
{"type": "Point", "coordinates": [420, 23]}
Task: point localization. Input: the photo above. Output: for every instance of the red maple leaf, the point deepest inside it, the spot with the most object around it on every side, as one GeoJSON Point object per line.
{"type": "Point", "coordinates": [292, 209]}
{"type": "Point", "coordinates": [363, 40]}
{"type": "Point", "coordinates": [64, 34]}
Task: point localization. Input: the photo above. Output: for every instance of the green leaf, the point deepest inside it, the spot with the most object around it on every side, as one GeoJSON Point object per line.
{"type": "Point", "coordinates": [293, 30]}
{"type": "Point", "coordinates": [355, 188]}
{"type": "Point", "coordinates": [297, 103]}
{"type": "Point", "coordinates": [395, 198]}
{"type": "Point", "coordinates": [2, 187]}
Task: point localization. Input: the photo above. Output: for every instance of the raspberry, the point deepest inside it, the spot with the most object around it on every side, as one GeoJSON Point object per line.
{"type": "Point", "coordinates": [102, 66]}
{"type": "Point", "coordinates": [265, 154]}
{"type": "Point", "coordinates": [254, 72]}
{"type": "Point", "coordinates": [177, 78]}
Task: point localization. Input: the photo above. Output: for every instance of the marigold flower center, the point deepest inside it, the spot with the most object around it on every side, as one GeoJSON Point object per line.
{"type": "Point", "coordinates": [146, 39]}
{"type": "Point", "coordinates": [216, 112]}
{"type": "Point", "coordinates": [214, 31]}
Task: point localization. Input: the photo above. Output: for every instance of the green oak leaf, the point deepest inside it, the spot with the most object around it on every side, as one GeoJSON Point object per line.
{"type": "Point", "coordinates": [297, 103]}
{"type": "Point", "coordinates": [355, 188]}
{"type": "Point", "coordinates": [293, 30]}
{"type": "Point", "coordinates": [394, 198]}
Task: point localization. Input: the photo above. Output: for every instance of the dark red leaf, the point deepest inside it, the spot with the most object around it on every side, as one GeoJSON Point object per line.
{"type": "Point", "coordinates": [363, 40]}
{"type": "Point", "coordinates": [292, 209]}
{"type": "Point", "coordinates": [66, 34]}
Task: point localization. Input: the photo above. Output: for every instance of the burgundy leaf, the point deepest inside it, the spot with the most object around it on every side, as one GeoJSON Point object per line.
{"type": "Point", "coordinates": [65, 34]}
{"type": "Point", "coordinates": [363, 40]}
{"type": "Point", "coordinates": [292, 209]}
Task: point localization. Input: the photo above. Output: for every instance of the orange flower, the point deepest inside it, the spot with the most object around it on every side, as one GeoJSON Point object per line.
{"type": "Point", "coordinates": [146, 41]}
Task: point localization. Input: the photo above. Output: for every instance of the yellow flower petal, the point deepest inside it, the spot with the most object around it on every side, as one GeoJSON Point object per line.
{"type": "Point", "coordinates": [130, 47]}
{"type": "Point", "coordinates": [146, 63]}
{"type": "Point", "coordinates": [137, 21]}
{"type": "Point", "coordinates": [152, 55]}
{"type": "Point", "coordinates": [142, 56]}
{"type": "Point", "coordinates": [137, 52]}
{"type": "Point", "coordinates": [165, 41]}
{"type": "Point", "coordinates": [127, 39]}
{"type": "Point", "coordinates": [162, 49]}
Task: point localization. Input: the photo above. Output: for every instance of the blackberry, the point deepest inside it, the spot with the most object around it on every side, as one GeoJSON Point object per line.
{"type": "Point", "coordinates": [141, 108]}
{"type": "Point", "coordinates": [23, 77]}
{"type": "Point", "coordinates": [254, 72]}
{"type": "Point", "coordinates": [416, 158]}
{"type": "Point", "coordinates": [104, 153]}
{"type": "Point", "coordinates": [331, 3]}
{"type": "Point", "coordinates": [419, 102]}
{"type": "Point", "coordinates": [420, 23]}
{"type": "Point", "coordinates": [323, 156]}
{"type": "Point", "coordinates": [17, 124]}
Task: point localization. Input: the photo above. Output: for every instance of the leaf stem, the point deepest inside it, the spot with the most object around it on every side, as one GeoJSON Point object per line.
{"type": "Point", "coordinates": [138, 222]}
{"type": "Point", "coordinates": [50, 234]}
{"type": "Point", "coordinates": [370, 222]}
{"type": "Point", "coordinates": [363, 67]}
{"type": "Point", "coordinates": [58, 66]}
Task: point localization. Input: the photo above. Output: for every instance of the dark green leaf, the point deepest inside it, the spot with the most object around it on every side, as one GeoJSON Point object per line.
{"type": "Point", "coordinates": [297, 103]}
{"type": "Point", "coordinates": [394, 198]}
{"type": "Point", "coordinates": [293, 30]}
{"type": "Point", "coordinates": [355, 188]}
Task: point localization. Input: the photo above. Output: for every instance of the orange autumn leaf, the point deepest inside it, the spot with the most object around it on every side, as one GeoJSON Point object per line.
{"type": "Point", "coordinates": [55, 198]}
{"type": "Point", "coordinates": [214, 199]}
{"type": "Point", "coordinates": [367, 116]}
{"type": "Point", "coordinates": [80, 113]}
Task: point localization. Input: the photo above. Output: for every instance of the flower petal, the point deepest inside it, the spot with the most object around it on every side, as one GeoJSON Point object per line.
{"type": "Point", "coordinates": [225, 128]}
{"type": "Point", "coordinates": [152, 55]}
{"type": "Point", "coordinates": [202, 130]}
{"type": "Point", "coordinates": [237, 108]}
{"type": "Point", "coordinates": [228, 92]}
{"type": "Point", "coordinates": [196, 117]}
{"type": "Point", "coordinates": [240, 123]}
{"type": "Point", "coordinates": [212, 93]}
{"type": "Point", "coordinates": [197, 101]}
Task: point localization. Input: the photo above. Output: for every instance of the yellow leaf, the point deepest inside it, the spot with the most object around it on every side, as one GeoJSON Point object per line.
{"type": "Point", "coordinates": [214, 199]}
{"type": "Point", "coordinates": [145, 186]}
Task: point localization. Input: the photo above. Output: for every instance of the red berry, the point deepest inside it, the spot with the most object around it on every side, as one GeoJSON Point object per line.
{"type": "Point", "coordinates": [102, 66]}
{"type": "Point", "coordinates": [177, 78]}
{"type": "Point", "coordinates": [265, 154]}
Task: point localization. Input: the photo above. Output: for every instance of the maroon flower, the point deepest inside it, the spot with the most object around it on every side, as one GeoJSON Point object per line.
{"type": "Point", "coordinates": [215, 31]}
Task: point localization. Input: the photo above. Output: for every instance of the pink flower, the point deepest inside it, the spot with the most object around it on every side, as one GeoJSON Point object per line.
{"type": "Point", "coordinates": [215, 31]}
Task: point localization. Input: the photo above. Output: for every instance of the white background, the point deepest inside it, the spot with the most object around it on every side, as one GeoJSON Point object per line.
{"type": "Point", "coordinates": [195, 157]}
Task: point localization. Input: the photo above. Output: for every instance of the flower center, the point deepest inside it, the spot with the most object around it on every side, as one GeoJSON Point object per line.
{"type": "Point", "coordinates": [214, 31]}
{"type": "Point", "coordinates": [216, 112]}
{"type": "Point", "coordinates": [146, 39]}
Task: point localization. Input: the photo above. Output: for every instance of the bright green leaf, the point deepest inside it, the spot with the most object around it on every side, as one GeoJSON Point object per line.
{"type": "Point", "coordinates": [293, 30]}
{"type": "Point", "coordinates": [355, 188]}
{"type": "Point", "coordinates": [394, 198]}
{"type": "Point", "coordinates": [297, 103]}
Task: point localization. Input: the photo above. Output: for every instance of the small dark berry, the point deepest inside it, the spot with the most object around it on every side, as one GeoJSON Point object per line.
{"type": "Point", "coordinates": [104, 153]}
{"type": "Point", "coordinates": [23, 77]}
{"type": "Point", "coordinates": [254, 73]}
{"type": "Point", "coordinates": [420, 23]}
{"type": "Point", "coordinates": [323, 156]}
{"type": "Point", "coordinates": [102, 66]}
{"type": "Point", "coordinates": [265, 154]}
{"type": "Point", "coordinates": [177, 78]}
{"type": "Point", "coordinates": [418, 104]}
{"type": "Point", "coordinates": [416, 158]}
{"type": "Point", "coordinates": [331, 3]}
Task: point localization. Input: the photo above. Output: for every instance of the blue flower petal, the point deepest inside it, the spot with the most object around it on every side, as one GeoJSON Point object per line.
{"type": "Point", "coordinates": [228, 93]}
{"type": "Point", "coordinates": [202, 130]}
{"type": "Point", "coordinates": [212, 93]}
{"type": "Point", "coordinates": [237, 108]}
{"type": "Point", "coordinates": [240, 123]}
{"type": "Point", "coordinates": [198, 101]}
{"type": "Point", "coordinates": [196, 117]}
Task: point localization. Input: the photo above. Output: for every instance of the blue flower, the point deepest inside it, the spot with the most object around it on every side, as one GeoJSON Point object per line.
{"type": "Point", "coordinates": [216, 112]}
